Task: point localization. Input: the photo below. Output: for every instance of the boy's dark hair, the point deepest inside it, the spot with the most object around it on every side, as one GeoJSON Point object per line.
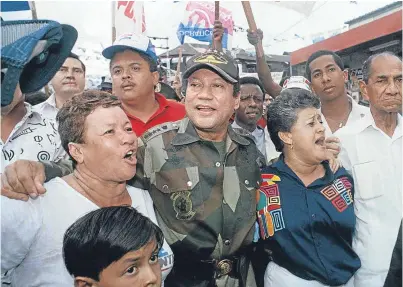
{"type": "Point", "coordinates": [253, 81]}
{"type": "Point", "coordinates": [318, 54]}
{"type": "Point", "coordinates": [105, 235]}
{"type": "Point", "coordinates": [74, 56]}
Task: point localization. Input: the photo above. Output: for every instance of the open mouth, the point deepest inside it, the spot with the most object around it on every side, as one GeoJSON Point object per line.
{"type": "Point", "coordinates": [205, 108]}
{"type": "Point", "coordinates": [320, 142]}
{"type": "Point", "coordinates": [129, 154]}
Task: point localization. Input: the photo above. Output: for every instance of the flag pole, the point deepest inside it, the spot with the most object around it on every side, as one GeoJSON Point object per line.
{"type": "Point", "coordinates": [113, 21]}
{"type": "Point", "coordinates": [33, 10]}
{"type": "Point", "coordinates": [252, 25]}
{"type": "Point", "coordinates": [216, 44]}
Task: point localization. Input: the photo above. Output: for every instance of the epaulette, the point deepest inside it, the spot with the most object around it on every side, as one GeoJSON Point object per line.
{"type": "Point", "coordinates": [158, 130]}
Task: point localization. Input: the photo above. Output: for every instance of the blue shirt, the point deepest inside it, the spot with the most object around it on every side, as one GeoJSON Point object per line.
{"type": "Point", "coordinates": [309, 229]}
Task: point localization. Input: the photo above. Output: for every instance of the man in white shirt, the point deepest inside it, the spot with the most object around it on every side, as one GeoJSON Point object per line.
{"type": "Point", "coordinates": [372, 153]}
{"type": "Point", "coordinates": [67, 82]}
{"type": "Point", "coordinates": [25, 134]}
{"type": "Point", "coordinates": [325, 70]}
{"type": "Point", "coordinates": [250, 112]}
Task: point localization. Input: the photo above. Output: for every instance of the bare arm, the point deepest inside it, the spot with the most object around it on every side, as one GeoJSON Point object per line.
{"type": "Point", "coordinates": [263, 70]}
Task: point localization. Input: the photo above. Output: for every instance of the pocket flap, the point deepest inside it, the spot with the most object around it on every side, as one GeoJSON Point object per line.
{"type": "Point", "coordinates": [174, 180]}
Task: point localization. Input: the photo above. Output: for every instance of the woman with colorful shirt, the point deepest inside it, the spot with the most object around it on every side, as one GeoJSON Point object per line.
{"type": "Point", "coordinates": [304, 209]}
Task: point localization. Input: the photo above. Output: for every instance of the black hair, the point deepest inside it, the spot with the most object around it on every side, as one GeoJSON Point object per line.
{"type": "Point", "coordinates": [74, 56]}
{"type": "Point", "coordinates": [105, 235]}
{"type": "Point", "coordinates": [252, 81]}
{"type": "Point", "coordinates": [36, 98]}
{"type": "Point", "coordinates": [320, 53]}
{"type": "Point", "coordinates": [151, 63]}
{"type": "Point", "coordinates": [282, 113]}
{"type": "Point", "coordinates": [366, 68]}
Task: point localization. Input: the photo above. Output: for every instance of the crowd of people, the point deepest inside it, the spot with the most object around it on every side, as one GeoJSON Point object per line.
{"type": "Point", "coordinates": [220, 180]}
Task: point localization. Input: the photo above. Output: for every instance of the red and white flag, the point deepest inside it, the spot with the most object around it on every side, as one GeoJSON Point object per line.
{"type": "Point", "coordinates": [129, 17]}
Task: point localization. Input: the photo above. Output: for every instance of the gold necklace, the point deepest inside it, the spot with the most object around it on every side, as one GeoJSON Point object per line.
{"type": "Point", "coordinates": [345, 118]}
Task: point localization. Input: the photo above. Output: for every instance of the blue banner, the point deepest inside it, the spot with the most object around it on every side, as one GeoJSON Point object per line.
{"type": "Point", "coordinates": [200, 34]}
{"type": "Point", "coordinates": [13, 6]}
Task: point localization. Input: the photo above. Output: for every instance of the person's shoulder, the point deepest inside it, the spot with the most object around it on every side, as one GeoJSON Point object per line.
{"type": "Point", "coordinates": [138, 193]}
{"type": "Point", "coordinates": [270, 169]}
{"type": "Point", "coordinates": [160, 130]}
{"type": "Point", "coordinates": [56, 182]}
{"type": "Point", "coordinates": [243, 133]}
{"type": "Point", "coordinates": [343, 173]}
{"type": "Point", "coordinates": [176, 105]}
{"type": "Point", "coordinates": [176, 110]}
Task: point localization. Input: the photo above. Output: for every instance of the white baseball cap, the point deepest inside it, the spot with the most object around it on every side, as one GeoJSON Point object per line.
{"type": "Point", "coordinates": [297, 82]}
{"type": "Point", "coordinates": [136, 42]}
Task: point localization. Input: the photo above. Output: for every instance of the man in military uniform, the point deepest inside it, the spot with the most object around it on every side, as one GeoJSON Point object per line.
{"type": "Point", "coordinates": [202, 177]}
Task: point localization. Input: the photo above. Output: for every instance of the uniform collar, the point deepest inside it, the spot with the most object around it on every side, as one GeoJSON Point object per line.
{"type": "Point", "coordinates": [329, 177]}
{"type": "Point", "coordinates": [187, 134]}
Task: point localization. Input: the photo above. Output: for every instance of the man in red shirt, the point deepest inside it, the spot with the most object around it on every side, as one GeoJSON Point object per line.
{"type": "Point", "coordinates": [134, 76]}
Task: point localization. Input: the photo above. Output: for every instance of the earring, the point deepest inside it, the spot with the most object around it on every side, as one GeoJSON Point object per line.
{"type": "Point", "coordinates": [157, 88]}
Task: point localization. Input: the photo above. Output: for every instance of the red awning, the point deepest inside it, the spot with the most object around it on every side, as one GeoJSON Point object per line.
{"type": "Point", "coordinates": [380, 27]}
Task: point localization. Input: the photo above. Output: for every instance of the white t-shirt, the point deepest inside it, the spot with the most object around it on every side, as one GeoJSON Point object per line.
{"type": "Point", "coordinates": [33, 138]}
{"type": "Point", "coordinates": [375, 161]}
{"type": "Point", "coordinates": [32, 234]}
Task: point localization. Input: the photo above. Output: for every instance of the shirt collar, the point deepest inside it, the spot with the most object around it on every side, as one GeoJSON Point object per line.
{"type": "Point", "coordinates": [162, 103]}
{"type": "Point", "coordinates": [187, 134]}
{"type": "Point", "coordinates": [51, 101]}
{"type": "Point", "coordinates": [326, 179]}
{"type": "Point", "coordinates": [369, 121]}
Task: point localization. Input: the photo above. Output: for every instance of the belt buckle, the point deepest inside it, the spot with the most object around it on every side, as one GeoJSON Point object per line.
{"type": "Point", "coordinates": [224, 267]}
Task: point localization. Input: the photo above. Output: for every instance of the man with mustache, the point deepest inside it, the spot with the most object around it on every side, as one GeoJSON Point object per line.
{"type": "Point", "coordinates": [372, 153]}
{"type": "Point", "coordinates": [134, 74]}
{"type": "Point", "coordinates": [67, 82]}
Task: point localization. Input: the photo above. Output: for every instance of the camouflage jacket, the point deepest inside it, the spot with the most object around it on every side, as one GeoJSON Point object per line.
{"type": "Point", "coordinates": [205, 207]}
